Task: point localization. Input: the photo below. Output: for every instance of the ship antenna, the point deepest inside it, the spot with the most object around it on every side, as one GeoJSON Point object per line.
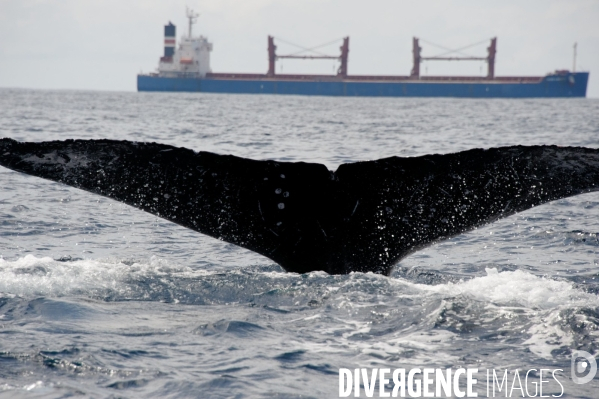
{"type": "Point", "coordinates": [192, 16]}
{"type": "Point", "coordinates": [574, 59]}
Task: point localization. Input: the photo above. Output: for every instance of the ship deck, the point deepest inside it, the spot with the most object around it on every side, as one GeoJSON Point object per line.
{"type": "Point", "coordinates": [376, 78]}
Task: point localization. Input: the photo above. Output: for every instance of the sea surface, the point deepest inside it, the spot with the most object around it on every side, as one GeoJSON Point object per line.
{"type": "Point", "coordinates": [101, 300]}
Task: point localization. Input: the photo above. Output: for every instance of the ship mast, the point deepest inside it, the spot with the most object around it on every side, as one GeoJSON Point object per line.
{"type": "Point", "coordinates": [574, 59]}
{"type": "Point", "coordinates": [192, 17]}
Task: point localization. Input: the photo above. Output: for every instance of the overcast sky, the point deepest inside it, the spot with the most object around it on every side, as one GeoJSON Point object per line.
{"type": "Point", "coordinates": [103, 44]}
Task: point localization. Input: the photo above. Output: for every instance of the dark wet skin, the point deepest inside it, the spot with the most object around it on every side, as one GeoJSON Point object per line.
{"type": "Point", "coordinates": [366, 216]}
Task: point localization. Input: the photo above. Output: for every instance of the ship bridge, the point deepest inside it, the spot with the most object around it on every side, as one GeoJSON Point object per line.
{"type": "Point", "coordinates": [191, 58]}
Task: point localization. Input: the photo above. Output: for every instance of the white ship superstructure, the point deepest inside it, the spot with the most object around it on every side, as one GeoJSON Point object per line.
{"type": "Point", "coordinates": [191, 58]}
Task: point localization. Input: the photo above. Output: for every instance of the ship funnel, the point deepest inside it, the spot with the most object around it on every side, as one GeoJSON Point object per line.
{"type": "Point", "coordinates": [170, 39]}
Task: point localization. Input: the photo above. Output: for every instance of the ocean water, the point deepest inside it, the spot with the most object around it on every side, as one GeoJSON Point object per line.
{"type": "Point", "coordinates": [98, 299]}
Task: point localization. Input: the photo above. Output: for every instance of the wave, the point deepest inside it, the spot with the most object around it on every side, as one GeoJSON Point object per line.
{"type": "Point", "coordinates": [32, 276]}
{"type": "Point", "coordinates": [545, 314]}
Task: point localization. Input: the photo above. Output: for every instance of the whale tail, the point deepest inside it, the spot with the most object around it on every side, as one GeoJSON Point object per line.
{"type": "Point", "coordinates": [366, 216]}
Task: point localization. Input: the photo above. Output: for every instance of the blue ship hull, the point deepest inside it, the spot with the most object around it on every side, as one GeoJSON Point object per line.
{"type": "Point", "coordinates": [556, 85]}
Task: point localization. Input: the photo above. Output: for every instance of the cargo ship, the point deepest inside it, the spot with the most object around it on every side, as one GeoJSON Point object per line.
{"type": "Point", "coordinates": [186, 68]}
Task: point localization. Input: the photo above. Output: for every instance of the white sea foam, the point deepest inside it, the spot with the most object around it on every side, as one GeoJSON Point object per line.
{"type": "Point", "coordinates": [519, 288]}
{"type": "Point", "coordinates": [32, 276]}
{"type": "Point", "coordinates": [538, 301]}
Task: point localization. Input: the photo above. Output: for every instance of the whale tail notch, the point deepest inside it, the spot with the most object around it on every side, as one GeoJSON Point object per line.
{"type": "Point", "coordinates": [364, 217]}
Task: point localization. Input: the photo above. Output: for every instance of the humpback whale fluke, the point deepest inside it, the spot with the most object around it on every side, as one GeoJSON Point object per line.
{"type": "Point", "coordinates": [366, 216]}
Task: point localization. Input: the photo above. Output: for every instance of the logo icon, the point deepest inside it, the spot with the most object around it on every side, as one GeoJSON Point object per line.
{"type": "Point", "coordinates": [581, 363]}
